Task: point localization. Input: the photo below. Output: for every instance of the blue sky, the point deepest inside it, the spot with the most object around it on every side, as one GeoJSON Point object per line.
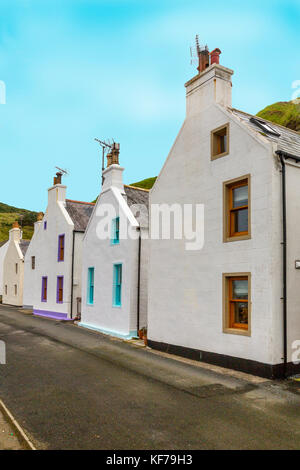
{"type": "Point", "coordinates": [79, 69]}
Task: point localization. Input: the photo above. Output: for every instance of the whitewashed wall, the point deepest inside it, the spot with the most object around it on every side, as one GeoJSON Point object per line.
{"type": "Point", "coordinates": [185, 287]}
{"type": "Point", "coordinates": [44, 246]}
{"type": "Point", "coordinates": [3, 250]}
{"type": "Point", "coordinates": [11, 278]}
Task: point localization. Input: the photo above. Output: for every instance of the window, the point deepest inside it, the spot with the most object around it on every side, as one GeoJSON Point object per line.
{"type": "Point", "coordinates": [115, 237]}
{"type": "Point", "coordinates": [264, 126]}
{"type": "Point", "coordinates": [90, 292]}
{"type": "Point", "coordinates": [117, 285]}
{"type": "Point", "coordinates": [16, 268]}
{"type": "Point", "coordinates": [220, 142]}
{"type": "Point", "coordinates": [61, 247]}
{"type": "Point", "coordinates": [45, 225]}
{"type": "Point", "coordinates": [16, 289]}
{"type": "Point", "coordinates": [5, 289]}
{"type": "Point", "coordinates": [60, 290]}
{"type": "Point", "coordinates": [33, 262]}
{"type": "Point", "coordinates": [236, 288]}
{"type": "Point", "coordinates": [237, 209]}
{"type": "Point", "coordinates": [44, 289]}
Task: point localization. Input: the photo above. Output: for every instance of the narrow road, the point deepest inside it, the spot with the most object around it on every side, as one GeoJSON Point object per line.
{"type": "Point", "coordinates": [74, 389]}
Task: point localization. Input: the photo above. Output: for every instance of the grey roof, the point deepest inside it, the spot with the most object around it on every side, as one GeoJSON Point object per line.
{"type": "Point", "coordinates": [24, 244]}
{"type": "Point", "coordinates": [288, 140]}
{"type": "Point", "coordinates": [80, 213]}
{"type": "Point", "coordinates": [3, 243]}
{"type": "Point", "coordinates": [141, 197]}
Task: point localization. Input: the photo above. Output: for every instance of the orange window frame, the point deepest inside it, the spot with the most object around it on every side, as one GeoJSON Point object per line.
{"type": "Point", "coordinates": [233, 210]}
{"type": "Point", "coordinates": [232, 302]}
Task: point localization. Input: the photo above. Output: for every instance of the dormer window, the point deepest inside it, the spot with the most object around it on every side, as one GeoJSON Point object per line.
{"type": "Point", "coordinates": [220, 142]}
{"type": "Point", "coordinates": [265, 127]}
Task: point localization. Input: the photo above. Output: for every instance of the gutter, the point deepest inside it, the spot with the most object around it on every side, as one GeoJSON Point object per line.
{"type": "Point", "coordinates": [283, 155]}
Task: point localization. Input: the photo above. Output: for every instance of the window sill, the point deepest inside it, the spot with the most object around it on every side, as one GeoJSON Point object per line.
{"type": "Point", "coordinates": [236, 239]}
{"type": "Point", "coordinates": [220, 155]}
{"type": "Point", "coordinates": [117, 306]}
{"type": "Point", "coordinates": [114, 243]}
{"type": "Point", "coordinates": [236, 331]}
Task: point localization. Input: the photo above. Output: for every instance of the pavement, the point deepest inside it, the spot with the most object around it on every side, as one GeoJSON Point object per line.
{"type": "Point", "coordinates": [8, 439]}
{"type": "Point", "coordinates": [71, 388]}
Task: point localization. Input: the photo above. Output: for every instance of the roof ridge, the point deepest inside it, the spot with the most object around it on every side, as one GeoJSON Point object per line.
{"type": "Point", "coordinates": [267, 120]}
{"type": "Point", "coordinates": [135, 187]}
{"type": "Point", "coordinates": [80, 202]}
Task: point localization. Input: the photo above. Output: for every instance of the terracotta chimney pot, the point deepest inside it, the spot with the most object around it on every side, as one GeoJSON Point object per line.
{"type": "Point", "coordinates": [215, 56]}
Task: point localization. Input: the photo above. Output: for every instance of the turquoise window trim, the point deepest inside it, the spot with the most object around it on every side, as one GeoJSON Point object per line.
{"type": "Point", "coordinates": [90, 286]}
{"type": "Point", "coordinates": [115, 231]}
{"type": "Point", "coordinates": [117, 285]}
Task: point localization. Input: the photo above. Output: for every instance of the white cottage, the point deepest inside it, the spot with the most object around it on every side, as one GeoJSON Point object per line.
{"type": "Point", "coordinates": [53, 260]}
{"type": "Point", "coordinates": [3, 250]}
{"type": "Point", "coordinates": [235, 300]}
{"type": "Point", "coordinates": [13, 267]}
{"type": "Point", "coordinates": [115, 257]}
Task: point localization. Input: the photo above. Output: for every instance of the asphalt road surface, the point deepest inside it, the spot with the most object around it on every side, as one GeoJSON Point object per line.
{"type": "Point", "coordinates": [71, 388]}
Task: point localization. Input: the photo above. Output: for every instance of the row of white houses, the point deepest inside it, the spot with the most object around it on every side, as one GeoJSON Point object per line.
{"type": "Point", "coordinates": [235, 299]}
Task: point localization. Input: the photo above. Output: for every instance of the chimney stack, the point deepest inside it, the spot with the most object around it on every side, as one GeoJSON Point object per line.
{"type": "Point", "coordinates": [203, 59]}
{"type": "Point", "coordinates": [15, 233]}
{"type": "Point", "coordinates": [113, 171]}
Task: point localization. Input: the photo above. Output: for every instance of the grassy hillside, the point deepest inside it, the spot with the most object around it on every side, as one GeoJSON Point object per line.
{"type": "Point", "coordinates": [9, 214]}
{"type": "Point", "coordinates": [145, 184]}
{"type": "Point", "coordinates": [284, 113]}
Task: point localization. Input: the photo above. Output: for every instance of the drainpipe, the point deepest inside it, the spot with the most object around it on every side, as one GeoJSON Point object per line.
{"type": "Point", "coordinates": [283, 155]}
{"type": "Point", "coordinates": [72, 273]}
{"type": "Point", "coordinates": [139, 281]}
{"type": "Point", "coordinates": [284, 262]}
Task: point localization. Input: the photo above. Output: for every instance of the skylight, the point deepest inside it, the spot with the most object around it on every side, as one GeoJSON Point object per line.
{"type": "Point", "coordinates": [264, 126]}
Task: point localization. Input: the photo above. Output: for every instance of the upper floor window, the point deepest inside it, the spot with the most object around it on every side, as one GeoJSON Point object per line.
{"type": "Point", "coordinates": [220, 142]}
{"type": "Point", "coordinates": [115, 237]}
{"type": "Point", "coordinates": [237, 303]}
{"type": "Point", "coordinates": [237, 209]}
{"type": "Point", "coordinates": [117, 285]}
{"type": "Point", "coordinates": [16, 268]}
{"type": "Point", "coordinates": [60, 289]}
{"type": "Point", "coordinates": [33, 262]}
{"type": "Point", "coordinates": [5, 289]}
{"type": "Point", "coordinates": [44, 289]}
{"type": "Point", "coordinates": [61, 248]}
{"type": "Point", "coordinates": [90, 292]}
{"type": "Point", "coordinates": [16, 289]}
{"type": "Point", "coordinates": [45, 224]}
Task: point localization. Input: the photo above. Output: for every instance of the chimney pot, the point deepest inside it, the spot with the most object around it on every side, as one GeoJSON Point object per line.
{"type": "Point", "coordinates": [16, 224]}
{"type": "Point", "coordinates": [215, 56]}
{"type": "Point", "coordinates": [40, 216]}
{"type": "Point", "coordinates": [203, 60]}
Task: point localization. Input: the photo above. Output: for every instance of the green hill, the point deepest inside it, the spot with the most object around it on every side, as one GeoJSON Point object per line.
{"type": "Point", "coordinates": [9, 214]}
{"type": "Point", "coordinates": [145, 184]}
{"type": "Point", "coordinates": [284, 113]}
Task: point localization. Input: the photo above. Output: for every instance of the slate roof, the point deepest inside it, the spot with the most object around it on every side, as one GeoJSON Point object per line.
{"type": "Point", "coordinates": [80, 213]}
{"type": "Point", "coordinates": [24, 244]}
{"type": "Point", "coordinates": [3, 243]}
{"type": "Point", "coordinates": [138, 196]}
{"type": "Point", "coordinates": [288, 141]}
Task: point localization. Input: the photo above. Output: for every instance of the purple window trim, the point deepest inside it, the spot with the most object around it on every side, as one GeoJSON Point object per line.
{"type": "Point", "coordinates": [57, 290]}
{"type": "Point", "coordinates": [61, 243]}
{"type": "Point", "coordinates": [44, 281]}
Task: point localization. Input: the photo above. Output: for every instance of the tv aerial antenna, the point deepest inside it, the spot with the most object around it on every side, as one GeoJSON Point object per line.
{"type": "Point", "coordinates": [62, 171]}
{"type": "Point", "coordinates": [196, 50]}
{"type": "Point", "coordinates": [106, 145]}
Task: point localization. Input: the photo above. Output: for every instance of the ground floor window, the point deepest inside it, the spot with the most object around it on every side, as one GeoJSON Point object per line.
{"type": "Point", "coordinates": [90, 292]}
{"type": "Point", "coordinates": [117, 285]}
{"type": "Point", "coordinates": [237, 303]}
{"type": "Point", "coordinates": [44, 288]}
{"type": "Point", "coordinates": [60, 289]}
